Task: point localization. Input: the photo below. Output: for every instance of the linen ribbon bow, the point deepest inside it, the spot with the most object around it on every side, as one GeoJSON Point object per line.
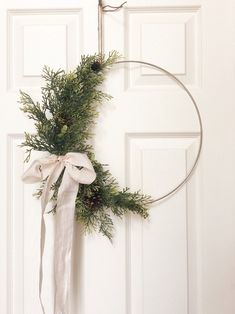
{"type": "Point", "coordinates": [50, 168]}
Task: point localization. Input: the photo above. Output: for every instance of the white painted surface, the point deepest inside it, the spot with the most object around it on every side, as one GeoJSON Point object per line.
{"type": "Point", "coordinates": [36, 38]}
{"type": "Point", "coordinates": [180, 261]}
{"type": "Point", "coordinates": [162, 46]}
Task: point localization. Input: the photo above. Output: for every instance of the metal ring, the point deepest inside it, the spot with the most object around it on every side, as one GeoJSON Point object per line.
{"type": "Point", "coordinates": [172, 76]}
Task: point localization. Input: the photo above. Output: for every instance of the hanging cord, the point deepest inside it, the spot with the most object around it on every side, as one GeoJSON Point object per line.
{"type": "Point", "coordinates": [101, 10]}
{"type": "Point", "coordinates": [100, 28]}
{"type": "Point", "coordinates": [113, 8]}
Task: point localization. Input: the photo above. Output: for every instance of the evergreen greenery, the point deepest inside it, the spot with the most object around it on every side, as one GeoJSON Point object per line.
{"type": "Point", "coordinates": [63, 122]}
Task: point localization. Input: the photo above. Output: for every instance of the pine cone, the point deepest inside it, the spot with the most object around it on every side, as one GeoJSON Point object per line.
{"type": "Point", "coordinates": [96, 66]}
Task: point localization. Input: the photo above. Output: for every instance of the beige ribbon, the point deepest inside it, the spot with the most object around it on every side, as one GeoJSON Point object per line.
{"type": "Point", "coordinates": [50, 168]}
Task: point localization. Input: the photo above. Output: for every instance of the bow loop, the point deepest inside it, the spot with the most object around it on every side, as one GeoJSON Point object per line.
{"type": "Point", "coordinates": [85, 175]}
{"type": "Point", "coordinates": [40, 169]}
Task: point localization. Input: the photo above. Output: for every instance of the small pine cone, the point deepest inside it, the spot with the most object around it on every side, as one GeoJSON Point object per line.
{"type": "Point", "coordinates": [96, 66]}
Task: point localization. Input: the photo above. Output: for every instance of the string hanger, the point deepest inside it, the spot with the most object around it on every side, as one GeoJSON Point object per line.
{"type": "Point", "coordinates": [101, 10]}
{"type": "Point", "coordinates": [111, 7]}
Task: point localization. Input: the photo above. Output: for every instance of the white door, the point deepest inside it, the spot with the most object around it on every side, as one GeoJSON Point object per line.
{"type": "Point", "coordinates": [180, 261]}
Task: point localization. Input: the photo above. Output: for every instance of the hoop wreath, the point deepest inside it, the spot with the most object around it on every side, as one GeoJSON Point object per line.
{"type": "Point", "coordinates": [73, 182]}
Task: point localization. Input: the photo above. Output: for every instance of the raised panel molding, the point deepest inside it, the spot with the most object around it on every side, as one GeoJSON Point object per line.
{"type": "Point", "coordinates": [51, 37]}
{"type": "Point", "coordinates": [169, 37]}
{"type": "Point", "coordinates": [166, 242]}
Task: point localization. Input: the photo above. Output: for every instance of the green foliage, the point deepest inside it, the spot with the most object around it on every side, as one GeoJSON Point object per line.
{"type": "Point", "coordinates": [63, 121]}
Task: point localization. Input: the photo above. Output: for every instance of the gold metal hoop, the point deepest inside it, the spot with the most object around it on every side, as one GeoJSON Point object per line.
{"type": "Point", "coordinates": [173, 77]}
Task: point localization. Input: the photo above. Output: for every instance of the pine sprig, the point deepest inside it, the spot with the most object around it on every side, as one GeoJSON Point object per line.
{"type": "Point", "coordinates": [63, 121]}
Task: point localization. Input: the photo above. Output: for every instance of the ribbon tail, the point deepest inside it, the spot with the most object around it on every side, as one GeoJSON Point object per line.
{"type": "Point", "coordinates": [46, 195]}
{"type": "Point", "coordinates": [63, 241]}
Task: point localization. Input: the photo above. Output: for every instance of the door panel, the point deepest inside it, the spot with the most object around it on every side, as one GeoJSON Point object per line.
{"type": "Point", "coordinates": [179, 261]}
